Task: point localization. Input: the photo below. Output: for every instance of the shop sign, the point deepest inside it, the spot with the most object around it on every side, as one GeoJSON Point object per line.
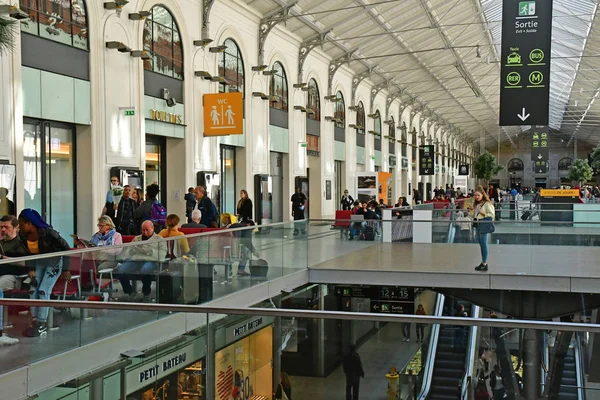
{"type": "Point", "coordinates": [525, 62]}
{"type": "Point", "coordinates": [163, 116]}
{"type": "Point", "coordinates": [426, 160]}
{"type": "Point", "coordinates": [559, 193]}
{"type": "Point", "coordinates": [238, 331]}
{"type": "Point", "coordinates": [147, 373]}
{"type": "Point", "coordinates": [223, 114]}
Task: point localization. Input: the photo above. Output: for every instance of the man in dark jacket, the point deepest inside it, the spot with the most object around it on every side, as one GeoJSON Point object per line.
{"type": "Point", "coordinates": [190, 204]}
{"type": "Point", "coordinates": [206, 207]}
{"type": "Point", "coordinates": [353, 371]}
{"type": "Point", "coordinates": [144, 211]}
{"type": "Point", "coordinates": [125, 222]}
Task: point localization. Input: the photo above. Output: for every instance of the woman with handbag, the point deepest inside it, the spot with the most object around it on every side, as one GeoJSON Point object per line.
{"type": "Point", "coordinates": [483, 214]}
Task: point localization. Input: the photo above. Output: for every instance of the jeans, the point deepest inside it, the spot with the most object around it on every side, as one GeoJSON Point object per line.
{"type": "Point", "coordinates": [143, 268]}
{"type": "Point", "coordinates": [420, 332]}
{"type": "Point", "coordinates": [46, 277]}
{"type": "Point", "coordinates": [483, 245]}
{"type": "Point", "coordinates": [406, 330]}
{"type": "Point", "coordinates": [352, 386]}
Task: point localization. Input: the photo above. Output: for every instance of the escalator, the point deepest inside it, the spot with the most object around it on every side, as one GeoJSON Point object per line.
{"type": "Point", "coordinates": [568, 383]}
{"type": "Point", "coordinates": [451, 356]}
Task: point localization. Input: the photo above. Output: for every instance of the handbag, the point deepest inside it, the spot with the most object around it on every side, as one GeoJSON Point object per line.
{"type": "Point", "coordinates": [283, 395]}
{"type": "Point", "coordinates": [487, 227]}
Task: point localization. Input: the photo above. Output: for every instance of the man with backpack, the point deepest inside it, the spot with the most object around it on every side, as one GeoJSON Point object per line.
{"type": "Point", "coordinates": [151, 209]}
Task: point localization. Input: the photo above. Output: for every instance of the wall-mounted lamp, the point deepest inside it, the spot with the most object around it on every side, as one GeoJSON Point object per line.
{"type": "Point", "coordinates": [332, 97]}
{"type": "Point", "coordinates": [328, 118]}
{"type": "Point", "coordinates": [138, 16]}
{"type": "Point", "coordinates": [203, 74]}
{"type": "Point", "coordinates": [300, 108]}
{"type": "Point", "coordinates": [115, 5]}
{"type": "Point", "coordinates": [299, 85]}
{"type": "Point", "coordinates": [217, 78]}
{"type": "Point", "coordinates": [143, 54]}
{"type": "Point", "coordinates": [120, 46]}
{"type": "Point", "coordinates": [202, 42]}
{"type": "Point", "coordinates": [388, 122]}
{"type": "Point", "coordinates": [353, 108]}
{"type": "Point", "coordinates": [13, 11]}
{"type": "Point", "coordinates": [258, 68]}
{"type": "Point", "coordinates": [372, 115]}
{"type": "Point", "coordinates": [353, 126]}
{"type": "Point", "coordinates": [304, 88]}
{"type": "Point", "coordinates": [217, 49]}
{"type": "Point", "coordinates": [309, 111]}
{"type": "Point", "coordinates": [270, 72]}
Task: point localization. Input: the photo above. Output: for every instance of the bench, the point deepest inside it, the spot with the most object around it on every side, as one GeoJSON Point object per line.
{"type": "Point", "coordinates": [342, 222]}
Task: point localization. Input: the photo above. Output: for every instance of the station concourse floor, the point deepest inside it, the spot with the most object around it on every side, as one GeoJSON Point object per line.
{"type": "Point", "coordinates": [381, 351]}
{"type": "Point", "coordinates": [75, 332]}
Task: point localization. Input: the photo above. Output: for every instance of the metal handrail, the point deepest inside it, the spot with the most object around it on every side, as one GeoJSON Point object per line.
{"type": "Point", "coordinates": [339, 315]}
{"type": "Point", "coordinates": [432, 350]}
{"type": "Point", "coordinates": [471, 354]}
{"type": "Point", "coordinates": [579, 368]}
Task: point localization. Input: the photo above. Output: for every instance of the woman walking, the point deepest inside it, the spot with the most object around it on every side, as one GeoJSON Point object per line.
{"type": "Point", "coordinates": [483, 213]}
{"type": "Point", "coordinates": [39, 238]}
{"type": "Point", "coordinates": [244, 207]}
{"type": "Point", "coordinates": [420, 327]}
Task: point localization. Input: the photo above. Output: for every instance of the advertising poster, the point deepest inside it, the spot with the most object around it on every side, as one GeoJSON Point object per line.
{"type": "Point", "coordinates": [243, 370]}
{"type": "Point", "coordinates": [384, 190]}
{"type": "Point", "coordinates": [367, 186]}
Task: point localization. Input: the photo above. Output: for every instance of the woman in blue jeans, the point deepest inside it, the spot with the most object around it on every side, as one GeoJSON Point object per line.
{"type": "Point", "coordinates": [482, 208]}
{"type": "Point", "coordinates": [39, 238]}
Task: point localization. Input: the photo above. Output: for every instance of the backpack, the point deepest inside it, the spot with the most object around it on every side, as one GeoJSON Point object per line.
{"type": "Point", "coordinates": [158, 215]}
{"type": "Point", "coordinates": [369, 233]}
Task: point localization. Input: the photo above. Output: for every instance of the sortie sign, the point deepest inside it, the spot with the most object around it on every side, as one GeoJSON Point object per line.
{"type": "Point", "coordinates": [539, 148]}
{"type": "Point", "coordinates": [525, 62]}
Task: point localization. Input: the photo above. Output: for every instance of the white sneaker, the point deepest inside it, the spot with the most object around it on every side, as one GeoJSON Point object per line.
{"type": "Point", "coordinates": [408, 339]}
{"type": "Point", "coordinates": [6, 340]}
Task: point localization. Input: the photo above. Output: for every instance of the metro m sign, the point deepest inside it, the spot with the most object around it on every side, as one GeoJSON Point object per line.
{"type": "Point", "coordinates": [223, 114]}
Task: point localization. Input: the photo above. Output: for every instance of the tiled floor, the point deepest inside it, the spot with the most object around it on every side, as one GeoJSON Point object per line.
{"type": "Point", "coordinates": [382, 351]}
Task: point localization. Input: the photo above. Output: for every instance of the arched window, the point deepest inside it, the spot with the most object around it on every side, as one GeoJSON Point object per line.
{"type": "Point", "coordinates": [162, 40]}
{"type": "Point", "coordinates": [314, 103]}
{"type": "Point", "coordinates": [565, 163]}
{"type": "Point", "coordinates": [515, 165]}
{"type": "Point", "coordinates": [340, 111]}
{"type": "Point", "coordinates": [377, 123]}
{"type": "Point", "coordinates": [231, 67]}
{"type": "Point", "coordinates": [279, 88]}
{"type": "Point", "coordinates": [360, 118]}
{"type": "Point", "coordinates": [392, 129]}
{"type": "Point", "coordinates": [62, 21]}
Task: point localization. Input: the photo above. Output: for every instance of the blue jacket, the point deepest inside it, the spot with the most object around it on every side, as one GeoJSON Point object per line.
{"type": "Point", "coordinates": [208, 210]}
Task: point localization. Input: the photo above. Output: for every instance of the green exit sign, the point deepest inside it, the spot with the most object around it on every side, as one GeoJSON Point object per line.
{"type": "Point", "coordinates": [129, 113]}
{"type": "Point", "coordinates": [304, 145]}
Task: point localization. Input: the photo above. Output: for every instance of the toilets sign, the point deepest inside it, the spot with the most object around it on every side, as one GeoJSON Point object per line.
{"type": "Point", "coordinates": [223, 114]}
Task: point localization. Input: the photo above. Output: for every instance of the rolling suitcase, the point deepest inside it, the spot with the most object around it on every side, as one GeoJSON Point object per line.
{"type": "Point", "coordinates": [259, 268]}
{"type": "Point", "coordinates": [188, 267]}
{"type": "Point", "coordinates": [369, 233]}
{"type": "Point", "coordinates": [169, 287]}
{"type": "Point", "coordinates": [526, 215]}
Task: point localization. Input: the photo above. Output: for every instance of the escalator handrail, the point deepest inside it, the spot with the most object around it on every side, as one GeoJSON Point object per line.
{"type": "Point", "coordinates": [579, 368]}
{"type": "Point", "coordinates": [471, 355]}
{"type": "Point", "coordinates": [431, 351]}
{"type": "Point", "coordinates": [545, 358]}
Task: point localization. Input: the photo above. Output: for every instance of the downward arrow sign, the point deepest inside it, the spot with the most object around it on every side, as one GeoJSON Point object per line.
{"type": "Point", "coordinates": [523, 116]}
{"type": "Point", "coordinates": [540, 157]}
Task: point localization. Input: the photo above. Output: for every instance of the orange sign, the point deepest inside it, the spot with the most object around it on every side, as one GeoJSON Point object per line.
{"type": "Point", "coordinates": [223, 114]}
{"type": "Point", "coordinates": [559, 193]}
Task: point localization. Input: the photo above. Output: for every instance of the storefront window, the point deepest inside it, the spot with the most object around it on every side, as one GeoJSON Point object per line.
{"type": "Point", "coordinates": [64, 21]}
{"type": "Point", "coordinates": [313, 106]}
{"type": "Point", "coordinates": [231, 67]}
{"type": "Point", "coordinates": [279, 88]}
{"type": "Point", "coordinates": [243, 370]}
{"type": "Point", "coordinates": [340, 111]}
{"type": "Point", "coordinates": [162, 40]}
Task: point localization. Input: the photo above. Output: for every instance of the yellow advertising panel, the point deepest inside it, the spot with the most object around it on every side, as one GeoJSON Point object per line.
{"type": "Point", "coordinates": [223, 114]}
{"type": "Point", "coordinates": [243, 370]}
{"type": "Point", "coordinates": [384, 189]}
{"type": "Point", "coordinates": [559, 193]}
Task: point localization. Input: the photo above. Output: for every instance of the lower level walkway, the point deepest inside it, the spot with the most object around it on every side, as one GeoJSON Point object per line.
{"type": "Point", "coordinates": [382, 351]}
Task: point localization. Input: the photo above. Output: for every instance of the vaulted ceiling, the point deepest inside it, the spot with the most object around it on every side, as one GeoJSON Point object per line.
{"type": "Point", "coordinates": [443, 55]}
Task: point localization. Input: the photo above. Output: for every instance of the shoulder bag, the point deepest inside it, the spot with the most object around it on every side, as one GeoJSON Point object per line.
{"type": "Point", "coordinates": [487, 226]}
